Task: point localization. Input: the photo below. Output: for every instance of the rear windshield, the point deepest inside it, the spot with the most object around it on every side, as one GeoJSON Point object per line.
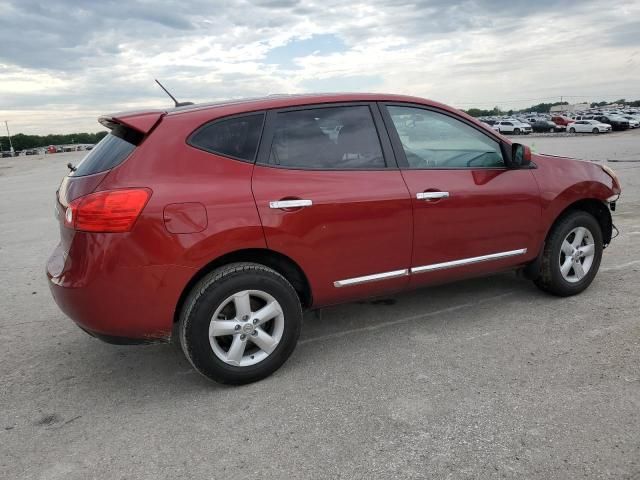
{"type": "Point", "coordinates": [112, 150]}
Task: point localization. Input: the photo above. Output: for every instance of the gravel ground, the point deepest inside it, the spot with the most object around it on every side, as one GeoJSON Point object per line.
{"type": "Point", "coordinates": [486, 378]}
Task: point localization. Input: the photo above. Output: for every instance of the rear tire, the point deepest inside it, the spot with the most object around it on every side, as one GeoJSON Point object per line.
{"type": "Point", "coordinates": [571, 255]}
{"type": "Point", "coordinates": [572, 130]}
{"type": "Point", "coordinates": [237, 346]}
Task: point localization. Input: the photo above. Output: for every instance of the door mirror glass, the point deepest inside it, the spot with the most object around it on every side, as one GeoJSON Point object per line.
{"type": "Point", "coordinates": [520, 156]}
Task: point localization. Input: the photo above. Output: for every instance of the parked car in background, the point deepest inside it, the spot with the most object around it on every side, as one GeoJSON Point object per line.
{"type": "Point", "coordinates": [616, 122]}
{"type": "Point", "coordinates": [589, 126]}
{"type": "Point", "coordinates": [265, 215]}
{"type": "Point", "coordinates": [633, 121]}
{"type": "Point", "coordinates": [512, 126]}
{"type": "Point", "coordinates": [547, 126]}
{"type": "Point", "coordinates": [561, 120]}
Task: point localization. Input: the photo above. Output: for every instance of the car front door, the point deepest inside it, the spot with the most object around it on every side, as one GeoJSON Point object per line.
{"type": "Point", "coordinates": [472, 214]}
{"type": "Point", "coordinates": [331, 198]}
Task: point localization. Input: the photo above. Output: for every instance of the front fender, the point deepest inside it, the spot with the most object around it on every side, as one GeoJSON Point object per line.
{"type": "Point", "coordinates": [567, 183]}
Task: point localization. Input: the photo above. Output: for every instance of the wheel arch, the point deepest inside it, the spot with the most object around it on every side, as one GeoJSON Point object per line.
{"type": "Point", "coordinates": [279, 262]}
{"type": "Point", "coordinates": [595, 207]}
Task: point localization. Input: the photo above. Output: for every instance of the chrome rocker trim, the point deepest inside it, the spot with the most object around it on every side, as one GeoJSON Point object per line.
{"type": "Point", "coordinates": [371, 278]}
{"type": "Point", "coordinates": [427, 268]}
{"type": "Point", "coordinates": [468, 261]}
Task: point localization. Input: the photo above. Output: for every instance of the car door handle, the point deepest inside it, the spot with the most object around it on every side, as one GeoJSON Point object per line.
{"type": "Point", "coordinates": [431, 195]}
{"type": "Point", "coordinates": [290, 204]}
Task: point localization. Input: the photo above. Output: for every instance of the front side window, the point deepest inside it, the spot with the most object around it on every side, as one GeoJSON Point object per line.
{"type": "Point", "coordinates": [236, 137]}
{"type": "Point", "coordinates": [332, 138]}
{"type": "Point", "coordinates": [434, 140]}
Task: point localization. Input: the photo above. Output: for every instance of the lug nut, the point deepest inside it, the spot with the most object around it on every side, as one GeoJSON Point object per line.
{"type": "Point", "coordinates": [243, 336]}
{"type": "Point", "coordinates": [237, 327]}
{"type": "Point", "coordinates": [245, 318]}
{"type": "Point", "coordinates": [254, 333]}
{"type": "Point", "coordinates": [255, 321]}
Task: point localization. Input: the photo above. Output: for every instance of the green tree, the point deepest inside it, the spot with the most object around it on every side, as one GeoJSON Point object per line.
{"type": "Point", "coordinates": [21, 141]}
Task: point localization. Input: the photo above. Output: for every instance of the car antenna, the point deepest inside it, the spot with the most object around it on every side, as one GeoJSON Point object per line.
{"type": "Point", "coordinates": [178, 104]}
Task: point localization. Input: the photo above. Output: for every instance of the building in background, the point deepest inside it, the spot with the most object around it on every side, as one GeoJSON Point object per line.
{"type": "Point", "coordinates": [576, 107]}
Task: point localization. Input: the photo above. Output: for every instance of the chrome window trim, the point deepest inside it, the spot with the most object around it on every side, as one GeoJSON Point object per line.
{"type": "Point", "coordinates": [371, 278]}
{"type": "Point", "coordinates": [468, 261]}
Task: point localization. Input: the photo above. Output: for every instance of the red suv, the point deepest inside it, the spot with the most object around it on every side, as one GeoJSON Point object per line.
{"type": "Point", "coordinates": [223, 222]}
{"type": "Point", "coordinates": [563, 121]}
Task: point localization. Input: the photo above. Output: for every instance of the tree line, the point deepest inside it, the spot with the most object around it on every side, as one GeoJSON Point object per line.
{"type": "Point", "coordinates": [540, 108]}
{"type": "Point", "coordinates": [21, 141]}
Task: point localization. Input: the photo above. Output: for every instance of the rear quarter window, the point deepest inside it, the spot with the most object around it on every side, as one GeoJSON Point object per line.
{"type": "Point", "coordinates": [111, 151]}
{"type": "Point", "coordinates": [236, 137]}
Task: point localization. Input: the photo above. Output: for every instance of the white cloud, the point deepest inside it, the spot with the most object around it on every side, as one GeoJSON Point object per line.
{"type": "Point", "coordinates": [63, 62]}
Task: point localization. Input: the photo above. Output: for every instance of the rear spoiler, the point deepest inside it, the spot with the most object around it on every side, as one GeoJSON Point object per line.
{"type": "Point", "coordinates": [142, 122]}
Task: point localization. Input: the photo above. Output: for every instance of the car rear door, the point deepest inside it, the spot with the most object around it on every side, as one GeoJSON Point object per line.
{"type": "Point", "coordinates": [331, 198]}
{"type": "Point", "coordinates": [472, 215]}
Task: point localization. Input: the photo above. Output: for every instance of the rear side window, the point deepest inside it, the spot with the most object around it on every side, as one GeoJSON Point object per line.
{"type": "Point", "coordinates": [332, 138]}
{"type": "Point", "coordinates": [111, 151]}
{"type": "Point", "coordinates": [236, 137]}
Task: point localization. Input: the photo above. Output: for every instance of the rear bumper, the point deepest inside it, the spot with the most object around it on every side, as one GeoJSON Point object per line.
{"type": "Point", "coordinates": [118, 304]}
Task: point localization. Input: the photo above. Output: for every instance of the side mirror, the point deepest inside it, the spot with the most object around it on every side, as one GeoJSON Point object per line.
{"type": "Point", "coordinates": [520, 156]}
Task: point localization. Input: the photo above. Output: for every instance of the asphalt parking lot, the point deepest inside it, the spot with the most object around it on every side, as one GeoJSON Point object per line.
{"type": "Point", "coordinates": [486, 378]}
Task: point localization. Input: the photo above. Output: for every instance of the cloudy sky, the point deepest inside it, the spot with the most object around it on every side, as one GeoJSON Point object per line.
{"type": "Point", "coordinates": [64, 62]}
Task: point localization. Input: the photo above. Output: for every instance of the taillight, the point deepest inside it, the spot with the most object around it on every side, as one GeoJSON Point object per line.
{"type": "Point", "coordinates": [108, 211]}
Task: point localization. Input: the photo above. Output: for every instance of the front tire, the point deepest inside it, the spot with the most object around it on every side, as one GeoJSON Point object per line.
{"type": "Point", "coordinates": [240, 323]}
{"type": "Point", "coordinates": [516, 131]}
{"type": "Point", "coordinates": [571, 255]}
{"type": "Point", "coordinates": [595, 130]}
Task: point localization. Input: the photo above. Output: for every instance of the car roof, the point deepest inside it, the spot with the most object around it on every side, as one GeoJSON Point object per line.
{"type": "Point", "coordinates": [279, 101]}
{"type": "Point", "coordinates": [292, 100]}
{"type": "Point", "coordinates": [145, 120]}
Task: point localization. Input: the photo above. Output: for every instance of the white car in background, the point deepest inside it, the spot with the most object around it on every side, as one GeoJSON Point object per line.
{"type": "Point", "coordinates": [634, 122]}
{"type": "Point", "coordinates": [588, 126]}
{"type": "Point", "coordinates": [512, 126]}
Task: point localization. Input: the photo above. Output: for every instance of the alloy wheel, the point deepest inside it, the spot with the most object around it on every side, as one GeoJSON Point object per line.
{"type": "Point", "coordinates": [576, 254]}
{"type": "Point", "coordinates": [246, 328]}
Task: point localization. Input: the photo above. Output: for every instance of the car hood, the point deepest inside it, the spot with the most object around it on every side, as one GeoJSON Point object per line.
{"type": "Point", "coordinates": [567, 170]}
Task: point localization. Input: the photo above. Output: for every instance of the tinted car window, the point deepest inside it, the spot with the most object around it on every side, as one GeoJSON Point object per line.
{"type": "Point", "coordinates": [435, 140]}
{"type": "Point", "coordinates": [108, 152]}
{"type": "Point", "coordinates": [236, 137]}
{"type": "Point", "coordinates": [341, 138]}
